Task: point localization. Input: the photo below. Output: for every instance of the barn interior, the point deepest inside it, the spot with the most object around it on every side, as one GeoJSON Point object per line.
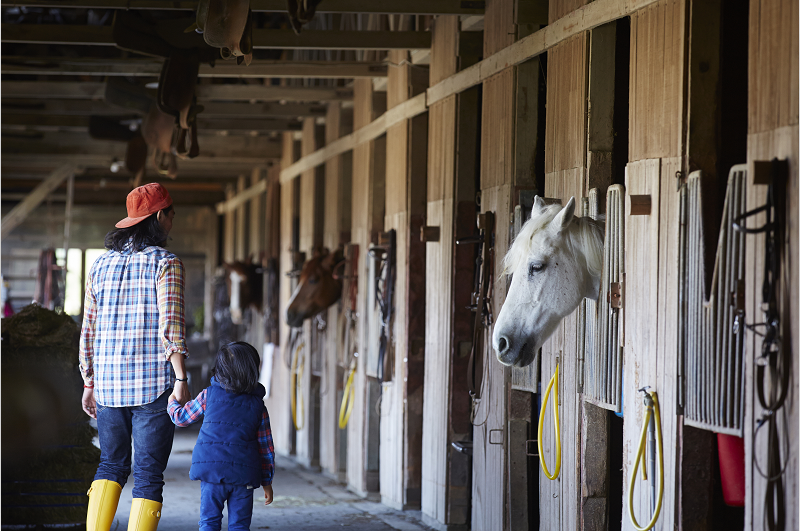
{"type": "Point", "coordinates": [347, 178]}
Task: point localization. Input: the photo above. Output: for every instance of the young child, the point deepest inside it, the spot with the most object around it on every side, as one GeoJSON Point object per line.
{"type": "Point", "coordinates": [234, 453]}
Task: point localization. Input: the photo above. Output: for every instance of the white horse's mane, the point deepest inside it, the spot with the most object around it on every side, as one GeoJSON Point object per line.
{"type": "Point", "coordinates": [585, 238]}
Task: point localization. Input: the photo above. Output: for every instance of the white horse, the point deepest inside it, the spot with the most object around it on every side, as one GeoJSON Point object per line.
{"type": "Point", "coordinates": [556, 261]}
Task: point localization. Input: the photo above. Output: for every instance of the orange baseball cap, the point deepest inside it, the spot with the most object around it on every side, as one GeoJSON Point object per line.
{"type": "Point", "coordinates": [144, 201]}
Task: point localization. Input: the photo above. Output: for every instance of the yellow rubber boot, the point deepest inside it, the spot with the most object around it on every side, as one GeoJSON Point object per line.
{"type": "Point", "coordinates": [145, 515]}
{"type": "Point", "coordinates": [103, 500]}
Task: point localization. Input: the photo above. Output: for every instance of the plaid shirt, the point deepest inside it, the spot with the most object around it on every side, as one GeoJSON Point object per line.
{"type": "Point", "coordinates": [194, 409]}
{"type": "Point", "coordinates": [132, 323]}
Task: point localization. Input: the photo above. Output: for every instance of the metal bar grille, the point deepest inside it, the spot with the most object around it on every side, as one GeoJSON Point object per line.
{"type": "Point", "coordinates": [602, 384]}
{"type": "Point", "coordinates": [711, 365]}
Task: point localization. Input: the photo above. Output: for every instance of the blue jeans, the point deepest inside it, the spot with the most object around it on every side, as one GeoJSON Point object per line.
{"type": "Point", "coordinates": [240, 506]}
{"type": "Point", "coordinates": [152, 431]}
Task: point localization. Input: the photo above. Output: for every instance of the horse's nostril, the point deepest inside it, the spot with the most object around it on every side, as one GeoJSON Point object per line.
{"type": "Point", "coordinates": [502, 345]}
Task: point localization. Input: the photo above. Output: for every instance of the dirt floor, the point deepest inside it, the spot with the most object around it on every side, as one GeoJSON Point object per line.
{"type": "Point", "coordinates": [304, 500]}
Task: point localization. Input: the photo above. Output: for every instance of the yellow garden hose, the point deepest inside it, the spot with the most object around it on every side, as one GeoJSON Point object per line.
{"type": "Point", "coordinates": [297, 374]}
{"type": "Point", "coordinates": [348, 398]}
{"type": "Point", "coordinates": [552, 385]}
{"type": "Point", "coordinates": [651, 405]}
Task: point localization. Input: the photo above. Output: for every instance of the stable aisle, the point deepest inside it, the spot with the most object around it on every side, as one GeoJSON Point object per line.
{"type": "Point", "coordinates": [304, 500]}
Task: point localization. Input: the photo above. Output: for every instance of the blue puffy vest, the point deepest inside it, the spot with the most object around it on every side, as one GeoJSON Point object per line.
{"type": "Point", "coordinates": [227, 447]}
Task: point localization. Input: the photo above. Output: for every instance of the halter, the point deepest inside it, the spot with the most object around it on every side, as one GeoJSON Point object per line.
{"type": "Point", "coordinates": [775, 359]}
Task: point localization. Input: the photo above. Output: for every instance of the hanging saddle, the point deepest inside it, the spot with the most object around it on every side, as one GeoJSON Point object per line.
{"type": "Point", "coordinates": [301, 12]}
{"type": "Point", "coordinates": [227, 25]}
{"type": "Point", "coordinates": [157, 130]}
{"type": "Point", "coordinates": [176, 97]}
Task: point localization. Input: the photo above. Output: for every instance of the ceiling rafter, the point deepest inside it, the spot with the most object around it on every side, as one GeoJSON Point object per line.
{"type": "Point", "coordinates": [263, 39]}
{"type": "Point", "coordinates": [404, 7]}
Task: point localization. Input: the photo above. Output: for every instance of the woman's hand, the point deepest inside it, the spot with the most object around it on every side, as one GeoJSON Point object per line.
{"type": "Point", "coordinates": [88, 403]}
{"type": "Point", "coordinates": [181, 393]}
{"type": "Point", "coordinates": [267, 494]}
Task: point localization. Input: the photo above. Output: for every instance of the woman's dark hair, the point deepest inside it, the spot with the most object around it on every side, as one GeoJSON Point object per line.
{"type": "Point", "coordinates": [146, 233]}
{"type": "Point", "coordinates": [237, 367]}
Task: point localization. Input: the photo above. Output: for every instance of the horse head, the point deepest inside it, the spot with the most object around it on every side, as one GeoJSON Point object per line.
{"type": "Point", "coordinates": [245, 287]}
{"type": "Point", "coordinates": [556, 261]}
{"type": "Point", "coordinates": [317, 287]}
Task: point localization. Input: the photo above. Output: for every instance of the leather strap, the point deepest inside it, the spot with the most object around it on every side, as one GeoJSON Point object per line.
{"type": "Point", "coordinates": [482, 310]}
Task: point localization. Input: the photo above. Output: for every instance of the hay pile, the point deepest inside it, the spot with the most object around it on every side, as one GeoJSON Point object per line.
{"type": "Point", "coordinates": [48, 460]}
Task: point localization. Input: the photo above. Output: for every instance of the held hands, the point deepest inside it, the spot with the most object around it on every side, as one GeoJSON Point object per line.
{"type": "Point", "coordinates": [267, 494]}
{"type": "Point", "coordinates": [180, 393]}
{"type": "Point", "coordinates": [88, 403]}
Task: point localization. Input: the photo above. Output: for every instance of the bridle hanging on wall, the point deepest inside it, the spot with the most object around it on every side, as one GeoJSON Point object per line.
{"type": "Point", "coordinates": [384, 280]}
{"type": "Point", "coordinates": [480, 303]}
{"type": "Point", "coordinates": [775, 360]}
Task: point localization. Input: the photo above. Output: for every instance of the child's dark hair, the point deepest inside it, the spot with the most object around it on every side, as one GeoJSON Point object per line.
{"type": "Point", "coordinates": [237, 366]}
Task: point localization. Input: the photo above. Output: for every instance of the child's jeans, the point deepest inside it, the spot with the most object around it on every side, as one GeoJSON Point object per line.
{"type": "Point", "coordinates": [240, 506]}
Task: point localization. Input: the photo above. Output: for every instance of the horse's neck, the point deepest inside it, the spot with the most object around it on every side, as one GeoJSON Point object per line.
{"type": "Point", "coordinates": [594, 277]}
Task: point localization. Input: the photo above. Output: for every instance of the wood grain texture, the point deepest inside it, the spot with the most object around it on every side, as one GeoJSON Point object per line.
{"type": "Point", "coordinates": [781, 143]}
{"type": "Point", "coordinates": [657, 80]}
{"type": "Point", "coordinates": [773, 76]}
{"type": "Point", "coordinates": [499, 25]}
{"type": "Point", "coordinates": [497, 130]}
{"type": "Point", "coordinates": [565, 139]}
{"type": "Point", "coordinates": [444, 48]}
{"type": "Point", "coordinates": [560, 8]}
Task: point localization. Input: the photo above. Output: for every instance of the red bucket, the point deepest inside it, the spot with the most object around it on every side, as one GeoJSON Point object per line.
{"type": "Point", "coordinates": [731, 468]}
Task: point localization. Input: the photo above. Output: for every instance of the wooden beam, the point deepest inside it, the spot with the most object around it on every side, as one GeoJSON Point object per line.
{"type": "Point", "coordinates": [175, 186]}
{"type": "Point", "coordinates": [230, 204]}
{"type": "Point", "coordinates": [36, 122]}
{"type": "Point", "coordinates": [263, 39]}
{"type": "Point", "coordinates": [20, 212]}
{"type": "Point", "coordinates": [221, 109]}
{"type": "Point", "coordinates": [96, 91]}
{"type": "Point", "coordinates": [588, 17]}
{"type": "Point", "coordinates": [148, 67]}
{"type": "Point", "coordinates": [404, 111]}
{"type": "Point", "coordinates": [259, 148]}
{"type": "Point", "coordinates": [222, 167]}
{"type": "Point", "coordinates": [406, 7]}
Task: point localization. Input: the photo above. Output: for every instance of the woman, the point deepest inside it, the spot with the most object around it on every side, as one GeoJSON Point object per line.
{"type": "Point", "coordinates": [132, 354]}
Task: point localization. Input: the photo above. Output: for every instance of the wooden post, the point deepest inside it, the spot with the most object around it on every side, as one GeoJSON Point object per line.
{"type": "Point", "coordinates": [229, 239]}
{"type": "Point", "coordinates": [20, 212]}
{"type": "Point", "coordinates": [369, 168]}
{"type": "Point", "coordinates": [452, 183]}
{"type": "Point", "coordinates": [406, 185]}
{"type": "Point", "coordinates": [338, 197]}
{"type": "Point", "coordinates": [240, 235]}
{"type": "Point", "coordinates": [256, 224]}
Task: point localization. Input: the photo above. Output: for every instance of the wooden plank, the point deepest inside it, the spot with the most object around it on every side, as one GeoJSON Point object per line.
{"type": "Point", "coordinates": [781, 142]}
{"type": "Point", "coordinates": [263, 39]}
{"type": "Point", "coordinates": [96, 91]}
{"type": "Point", "coordinates": [256, 225]}
{"type": "Point", "coordinates": [240, 215]}
{"type": "Point", "coordinates": [560, 8]}
{"type": "Point", "coordinates": [641, 323]}
{"type": "Point", "coordinates": [243, 197]}
{"type": "Point", "coordinates": [77, 123]}
{"type": "Point", "coordinates": [657, 80]}
{"type": "Point", "coordinates": [229, 234]}
{"type": "Point", "coordinates": [18, 214]}
{"type": "Point", "coordinates": [148, 67]}
{"type": "Point", "coordinates": [76, 107]}
{"type": "Point", "coordinates": [409, 7]}
{"type": "Point", "coordinates": [367, 133]}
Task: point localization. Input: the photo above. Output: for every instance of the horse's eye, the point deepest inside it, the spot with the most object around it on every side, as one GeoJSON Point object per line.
{"type": "Point", "coordinates": [535, 267]}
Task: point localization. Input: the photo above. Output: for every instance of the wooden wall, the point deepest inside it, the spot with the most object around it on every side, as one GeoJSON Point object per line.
{"type": "Point", "coordinates": [565, 177]}
{"type": "Point", "coordinates": [772, 132]}
{"type": "Point", "coordinates": [369, 166]}
{"type": "Point", "coordinates": [651, 247]}
{"type": "Point", "coordinates": [401, 399]}
{"type": "Point", "coordinates": [337, 231]}
{"type": "Point", "coordinates": [278, 403]}
{"type": "Point", "coordinates": [439, 282]}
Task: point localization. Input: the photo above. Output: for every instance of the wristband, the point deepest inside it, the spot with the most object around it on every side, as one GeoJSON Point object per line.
{"type": "Point", "coordinates": [88, 387]}
{"type": "Point", "coordinates": [182, 379]}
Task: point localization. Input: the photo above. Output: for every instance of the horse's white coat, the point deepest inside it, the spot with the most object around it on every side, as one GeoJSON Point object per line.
{"type": "Point", "coordinates": [556, 261]}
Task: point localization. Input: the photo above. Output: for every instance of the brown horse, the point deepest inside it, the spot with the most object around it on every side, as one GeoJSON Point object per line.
{"type": "Point", "coordinates": [317, 288]}
{"type": "Point", "coordinates": [245, 281]}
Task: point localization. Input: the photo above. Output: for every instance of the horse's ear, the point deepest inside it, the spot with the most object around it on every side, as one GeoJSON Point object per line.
{"type": "Point", "coordinates": [538, 204]}
{"type": "Point", "coordinates": [564, 218]}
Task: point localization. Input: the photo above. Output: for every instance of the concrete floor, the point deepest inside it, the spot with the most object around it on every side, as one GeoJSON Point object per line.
{"type": "Point", "coordinates": [304, 500]}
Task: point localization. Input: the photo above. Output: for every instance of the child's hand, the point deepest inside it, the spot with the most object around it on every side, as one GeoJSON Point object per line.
{"type": "Point", "coordinates": [267, 494]}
